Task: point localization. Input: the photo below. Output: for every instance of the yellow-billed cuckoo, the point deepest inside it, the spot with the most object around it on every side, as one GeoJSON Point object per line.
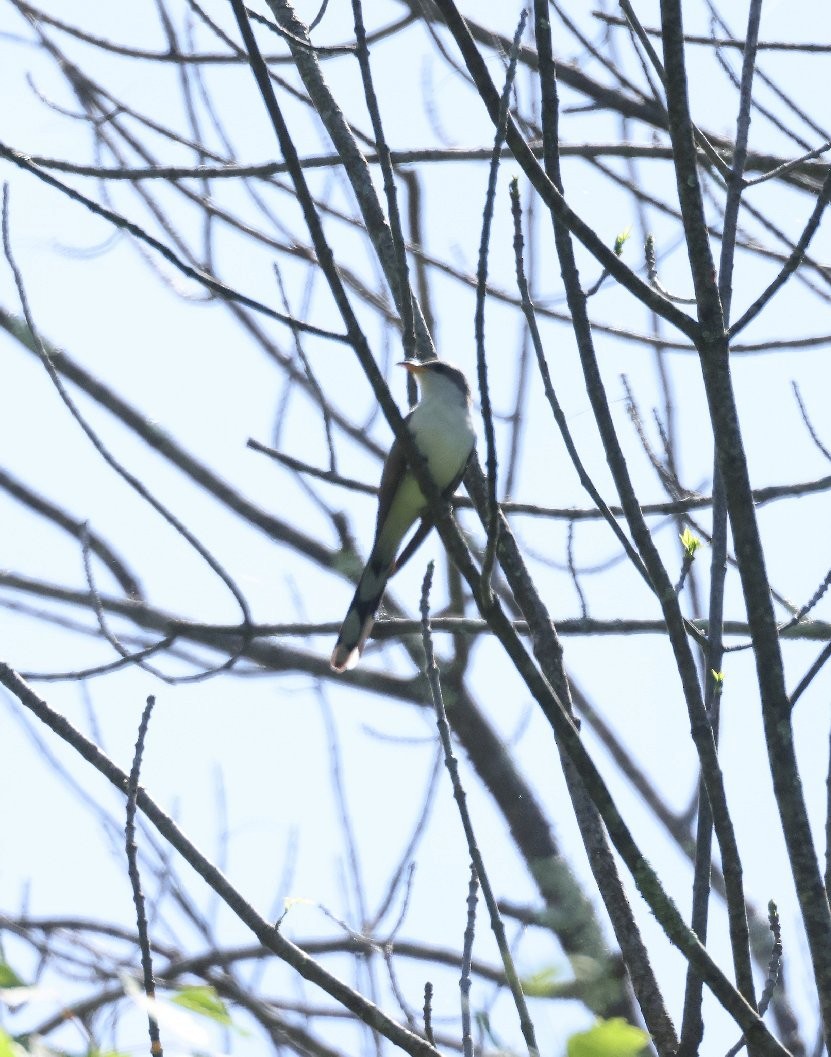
{"type": "Point", "coordinates": [442, 429]}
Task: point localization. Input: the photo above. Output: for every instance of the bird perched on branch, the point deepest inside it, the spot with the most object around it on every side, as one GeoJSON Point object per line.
{"type": "Point", "coordinates": [442, 429]}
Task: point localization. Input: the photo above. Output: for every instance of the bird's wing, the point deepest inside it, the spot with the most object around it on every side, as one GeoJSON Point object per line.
{"type": "Point", "coordinates": [394, 469]}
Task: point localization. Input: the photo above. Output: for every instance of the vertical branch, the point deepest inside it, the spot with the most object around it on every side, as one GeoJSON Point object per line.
{"type": "Point", "coordinates": [700, 727]}
{"type": "Point", "coordinates": [479, 322]}
{"type": "Point", "coordinates": [516, 420]}
{"type": "Point", "coordinates": [467, 958]}
{"type": "Point", "coordinates": [428, 1013]}
{"type": "Point", "coordinates": [549, 871]}
{"type": "Point", "coordinates": [547, 648]}
{"type": "Point", "coordinates": [599, 803]}
{"type": "Point", "coordinates": [772, 978]}
{"type": "Point", "coordinates": [412, 182]}
{"type": "Point", "coordinates": [402, 291]}
{"type": "Point", "coordinates": [692, 1024]}
{"type": "Point", "coordinates": [735, 182]}
{"type": "Point", "coordinates": [828, 820]}
{"type": "Point", "coordinates": [634, 952]}
{"type": "Point", "coordinates": [692, 1027]}
{"type": "Point", "coordinates": [357, 170]}
{"type": "Point", "coordinates": [546, 645]}
{"type": "Point", "coordinates": [434, 680]}
{"type": "Point", "coordinates": [323, 250]}
{"type": "Point", "coordinates": [527, 306]}
{"type": "Point", "coordinates": [135, 880]}
{"type": "Point", "coordinates": [713, 349]}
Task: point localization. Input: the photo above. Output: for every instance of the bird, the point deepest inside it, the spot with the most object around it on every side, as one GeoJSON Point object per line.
{"type": "Point", "coordinates": [441, 426]}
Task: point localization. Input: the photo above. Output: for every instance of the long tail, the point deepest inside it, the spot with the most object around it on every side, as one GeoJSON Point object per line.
{"type": "Point", "coordinates": [361, 615]}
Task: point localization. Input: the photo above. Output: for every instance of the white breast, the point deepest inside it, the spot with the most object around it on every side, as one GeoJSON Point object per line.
{"type": "Point", "coordinates": [444, 433]}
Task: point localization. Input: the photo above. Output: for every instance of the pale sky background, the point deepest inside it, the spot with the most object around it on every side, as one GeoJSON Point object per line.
{"type": "Point", "coordinates": [188, 368]}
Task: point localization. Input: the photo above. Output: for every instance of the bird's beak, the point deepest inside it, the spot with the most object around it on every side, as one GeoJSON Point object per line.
{"type": "Point", "coordinates": [413, 366]}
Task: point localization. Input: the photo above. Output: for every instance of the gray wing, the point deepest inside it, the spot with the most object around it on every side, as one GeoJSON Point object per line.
{"type": "Point", "coordinates": [394, 469]}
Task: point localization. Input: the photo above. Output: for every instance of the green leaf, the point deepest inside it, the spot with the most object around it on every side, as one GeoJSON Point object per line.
{"type": "Point", "coordinates": [8, 977]}
{"type": "Point", "coordinates": [689, 542]}
{"type": "Point", "coordinates": [542, 984]}
{"type": "Point", "coordinates": [622, 239]}
{"type": "Point", "coordinates": [22, 1046]}
{"type": "Point", "coordinates": [608, 1038]}
{"type": "Point", "coordinates": [205, 1001]}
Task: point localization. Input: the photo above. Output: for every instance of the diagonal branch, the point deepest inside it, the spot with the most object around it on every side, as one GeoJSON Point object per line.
{"type": "Point", "coordinates": [268, 934]}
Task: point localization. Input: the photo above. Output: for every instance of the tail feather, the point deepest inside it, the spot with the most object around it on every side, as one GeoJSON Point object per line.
{"type": "Point", "coordinates": [360, 617]}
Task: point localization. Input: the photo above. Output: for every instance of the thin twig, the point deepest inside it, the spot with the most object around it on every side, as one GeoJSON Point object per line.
{"type": "Point", "coordinates": [793, 262]}
{"type": "Point", "coordinates": [810, 675]}
{"type": "Point", "coordinates": [638, 30]}
{"type": "Point", "coordinates": [489, 558]}
{"type": "Point", "coordinates": [808, 423]}
{"type": "Point", "coordinates": [768, 494]}
{"type": "Point", "coordinates": [733, 465]}
{"type": "Point", "coordinates": [208, 281]}
{"type": "Point", "coordinates": [738, 45]}
{"type": "Point", "coordinates": [314, 385]}
{"type": "Point", "coordinates": [549, 193]}
{"type": "Point", "coordinates": [652, 272]}
{"type": "Point", "coordinates": [268, 935]}
{"type": "Point", "coordinates": [126, 475]}
{"type": "Point", "coordinates": [575, 579]}
{"type": "Point", "coordinates": [550, 393]}
{"type": "Point", "coordinates": [789, 166]}
{"type": "Point", "coordinates": [157, 440]}
{"type": "Point", "coordinates": [21, 491]}
{"type": "Point", "coordinates": [403, 295]}
{"type": "Point", "coordinates": [434, 680]}
{"type": "Point", "coordinates": [428, 1013]}
{"type": "Point", "coordinates": [135, 881]}
{"type": "Point", "coordinates": [467, 957]}
{"type": "Point", "coordinates": [735, 179]}
{"type": "Point", "coordinates": [772, 978]}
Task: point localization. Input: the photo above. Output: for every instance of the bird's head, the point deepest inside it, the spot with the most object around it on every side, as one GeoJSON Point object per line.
{"type": "Point", "coordinates": [435, 376]}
